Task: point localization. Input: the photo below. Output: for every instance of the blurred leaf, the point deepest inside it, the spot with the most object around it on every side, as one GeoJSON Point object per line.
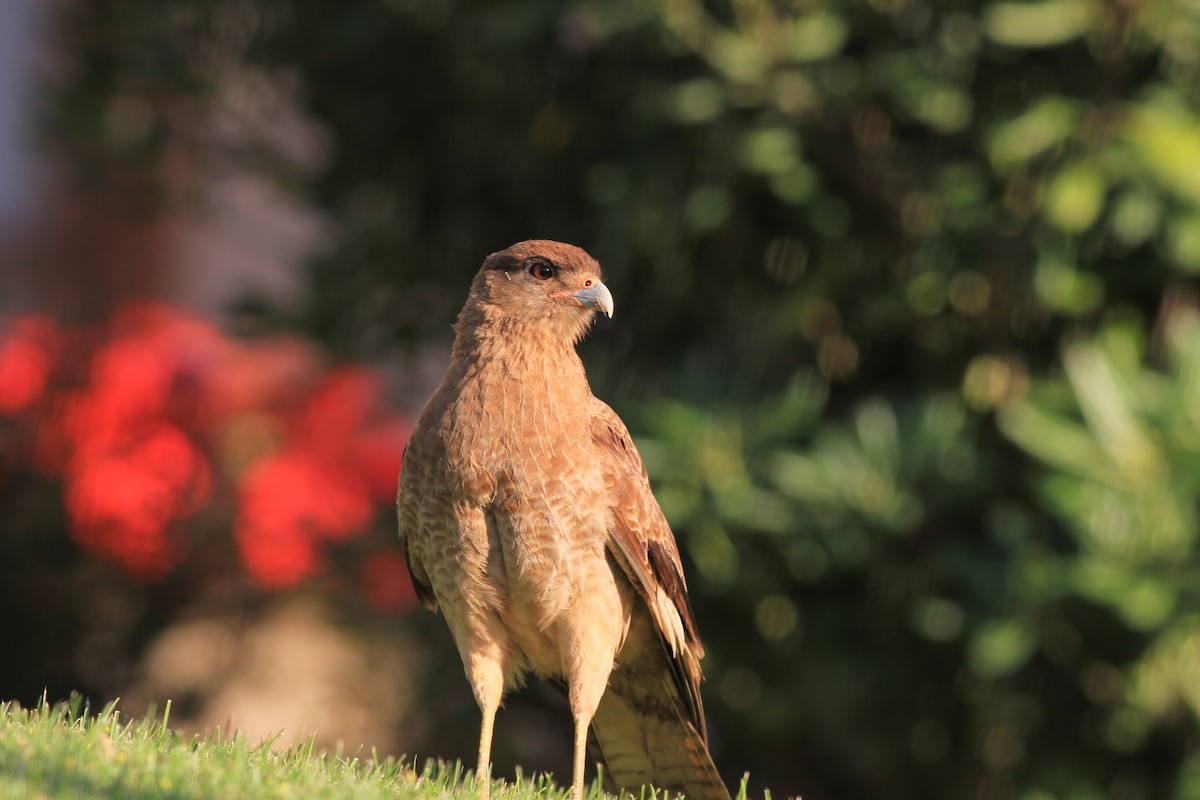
{"type": "Point", "coordinates": [946, 109]}
{"type": "Point", "coordinates": [875, 424]}
{"type": "Point", "coordinates": [924, 94]}
{"type": "Point", "coordinates": [1137, 217]}
{"type": "Point", "coordinates": [1167, 138]}
{"type": "Point", "coordinates": [1065, 289]}
{"type": "Point", "coordinates": [1037, 24]}
{"type": "Point", "coordinates": [938, 619]}
{"type": "Point", "coordinates": [1054, 439]}
{"type": "Point", "coordinates": [1075, 197]}
{"type": "Point", "coordinates": [795, 185]}
{"type": "Point", "coordinates": [1144, 603]}
{"type": "Point", "coordinates": [1047, 124]}
{"type": "Point", "coordinates": [926, 293]}
{"type": "Point", "coordinates": [1183, 241]}
{"type": "Point", "coordinates": [714, 554]}
{"type": "Point", "coordinates": [1148, 604]}
{"type": "Point", "coordinates": [1001, 647]}
{"type": "Point", "coordinates": [1169, 674]}
{"type": "Point", "coordinates": [698, 100]}
{"type": "Point", "coordinates": [739, 57]}
{"type": "Point", "coordinates": [1124, 483]}
{"type": "Point", "coordinates": [963, 190]}
{"type": "Point", "coordinates": [792, 413]}
{"type": "Point", "coordinates": [815, 37]}
{"type": "Point", "coordinates": [1107, 407]}
{"type": "Point", "coordinates": [770, 150]}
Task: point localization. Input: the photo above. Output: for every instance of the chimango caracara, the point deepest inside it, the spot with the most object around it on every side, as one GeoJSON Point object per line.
{"type": "Point", "coordinates": [527, 518]}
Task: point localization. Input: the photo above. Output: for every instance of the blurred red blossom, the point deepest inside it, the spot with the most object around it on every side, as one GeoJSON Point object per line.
{"type": "Point", "coordinates": [154, 416]}
{"type": "Point", "coordinates": [28, 347]}
{"type": "Point", "coordinates": [297, 500]}
{"type": "Point", "coordinates": [123, 501]}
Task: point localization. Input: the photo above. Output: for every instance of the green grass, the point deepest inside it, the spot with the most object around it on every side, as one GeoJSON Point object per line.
{"type": "Point", "coordinates": [63, 751]}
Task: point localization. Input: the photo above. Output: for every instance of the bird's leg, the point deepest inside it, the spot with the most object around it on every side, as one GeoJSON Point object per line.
{"type": "Point", "coordinates": [586, 685]}
{"type": "Point", "coordinates": [487, 682]}
{"type": "Point", "coordinates": [588, 648]}
{"type": "Point", "coordinates": [581, 732]}
{"type": "Point", "coordinates": [483, 772]}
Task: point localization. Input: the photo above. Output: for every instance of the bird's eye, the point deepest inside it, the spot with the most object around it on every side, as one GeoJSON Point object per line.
{"type": "Point", "coordinates": [541, 270]}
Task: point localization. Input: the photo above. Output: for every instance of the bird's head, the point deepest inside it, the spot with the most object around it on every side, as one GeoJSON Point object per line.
{"type": "Point", "coordinates": [543, 282]}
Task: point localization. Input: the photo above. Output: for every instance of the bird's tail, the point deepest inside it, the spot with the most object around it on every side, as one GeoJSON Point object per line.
{"type": "Point", "coordinates": [654, 744]}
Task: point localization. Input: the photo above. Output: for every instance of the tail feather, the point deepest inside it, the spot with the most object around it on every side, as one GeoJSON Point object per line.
{"type": "Point", "coordinates": [649, 727]}
{"type": "Point", "coordinates": [654, 747]}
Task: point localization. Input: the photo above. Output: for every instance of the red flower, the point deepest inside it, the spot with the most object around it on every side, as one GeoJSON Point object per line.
{"type": "Point", "coordinates": [338, 467]}
{"type": "Point", "coordinates": [314, 454]}
{"type": "Point", "coordinates": [337, 410]}
{"type": "Point", "coordinates": [124, 501]}
{"type": "Point", "coordinates": [26, 356]}
{"type": "Point", "coordinates": [289, 503]}
{"type": "Point", "coordinates": [277, 557]}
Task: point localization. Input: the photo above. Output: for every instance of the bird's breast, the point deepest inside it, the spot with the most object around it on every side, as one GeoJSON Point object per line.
{"type": "Point", "coordinates": [551, 519]}
{"type": "Point", "coordinates": [521, 452]}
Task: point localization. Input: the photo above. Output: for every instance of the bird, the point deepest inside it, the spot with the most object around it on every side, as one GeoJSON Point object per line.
{"type": "Point", "coordinates": [527, 518]}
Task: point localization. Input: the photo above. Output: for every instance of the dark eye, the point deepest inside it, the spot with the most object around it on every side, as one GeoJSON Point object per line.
{"type": "Point", "coordinates": [541, 270]}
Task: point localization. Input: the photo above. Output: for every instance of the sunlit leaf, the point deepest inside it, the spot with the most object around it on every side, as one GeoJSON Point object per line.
{"type": "Point", "coordinates": [739, 57]}
{"type": "Point", "coordinates": [878, 432]}
{"type": "Point", "coordinates": [1148, 604]}
{"type": "Point", "coordinates": [1137, 217]}
{"type": "Point", "coordinates": [1167, 139]}
{"type": "Point", "coordinates": [1047, 124]}
{"type": "Point", "coordinates": [770, 150]}
{"type": "Point", "coordinates": [795, 185]}
{"type": "Point", "coordinates": [1183, 241]}
{"type": "Point", "coordinates": [1044, 24]}
{"type": "Point", "coordinates": [815, 37]}
{"type": "Point", "coordinates": [1168, 676]}
{"type": "Point", "coordinates": [1075, 197]}
{"type": "Point", "coordinates": [1001, 647]}
{"type": "Point", "coordinates": [945, 109]}
{"type": "Point", "coordinates": [1056, 440]}
{"type": "Point", "coordinates": [698, 100]}
{"type": "Point", "coordinates": [1065, 289]}
{"type": "Point", "coordinates": [1106, 406]}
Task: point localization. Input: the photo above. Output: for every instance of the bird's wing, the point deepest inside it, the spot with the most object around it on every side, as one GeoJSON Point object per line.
{"type": "Point", "coordinates": [407, 512]}
{"type": "Point", "coordinates": [643, 543]}
{"type": "Point", "coordinates": [650, 727]}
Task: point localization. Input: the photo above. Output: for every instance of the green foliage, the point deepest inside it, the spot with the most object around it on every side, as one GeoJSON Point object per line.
{"type": "Point", "coordinates": [1123, 444]}
{"type": "Point", "coordinates": [849, 547]}
{"type": "Point", "coordinates": [1119, 442]}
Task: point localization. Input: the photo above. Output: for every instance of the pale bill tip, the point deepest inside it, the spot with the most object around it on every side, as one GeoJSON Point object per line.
{"type": "Point", "coordinates": [598, 297]}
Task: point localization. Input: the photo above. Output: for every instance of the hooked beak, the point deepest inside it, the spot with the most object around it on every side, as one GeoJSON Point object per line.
{"type": "Point", "coordinates": [596, 296]}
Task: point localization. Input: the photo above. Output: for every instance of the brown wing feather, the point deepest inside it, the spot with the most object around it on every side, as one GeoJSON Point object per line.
{"type": "Point", "coordinates": [407, 518]}
{"type": "Point", "coordinates": [642, 542]}
{"type": "Point", "coordinates": [649, 728]}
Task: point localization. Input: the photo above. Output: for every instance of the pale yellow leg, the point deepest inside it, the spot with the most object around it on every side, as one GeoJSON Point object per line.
{"type": "Point", "coordinates": [483, 772]}
{"type": "Point", "coordinates": [588, 648]}
{"type": "Point", "coordinates": [581, 732]}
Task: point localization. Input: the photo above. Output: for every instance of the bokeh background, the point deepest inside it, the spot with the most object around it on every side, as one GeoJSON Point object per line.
{"type": "Point", "coordinates": [907, 335]}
